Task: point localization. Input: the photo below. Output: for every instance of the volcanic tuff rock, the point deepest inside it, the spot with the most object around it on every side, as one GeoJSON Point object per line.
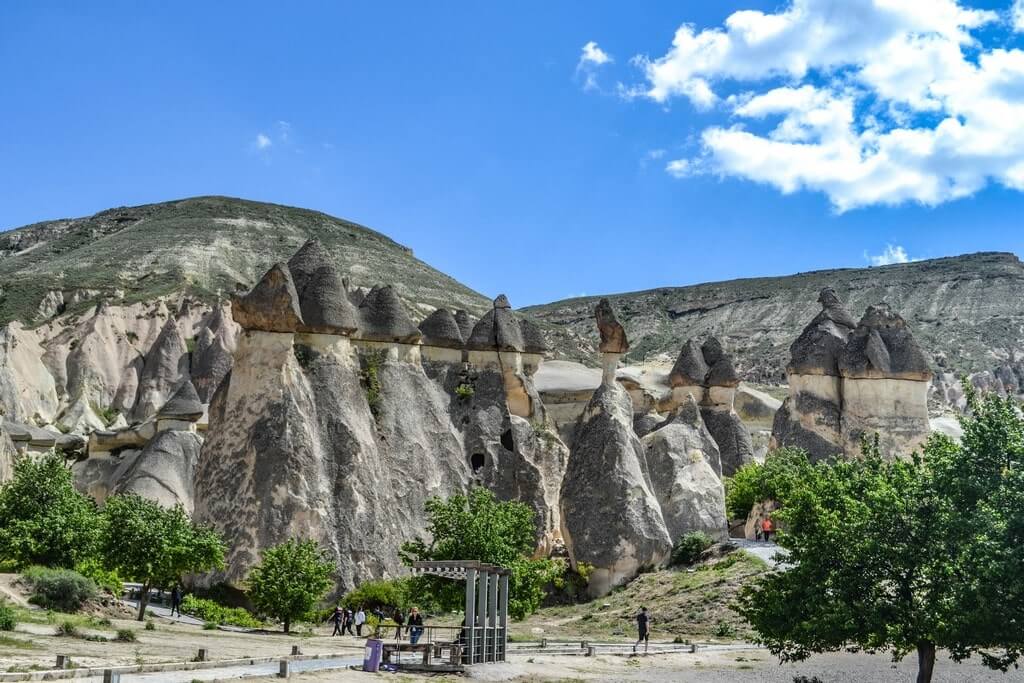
{"type": "Point", "coordinates": [685, 470]}
{"type": "Point", "coordinates": [611, 517]}
{"type": "Point", "coordinates": [166, 362]}
{"type": "Point", "coordinates": [441, 329]}
{"type": "Point", "coordinates": [613, 337]}
{"type": "Point", "coordinates": [965, 308]}
{"type": "Point", "coordinates": [382, 317]}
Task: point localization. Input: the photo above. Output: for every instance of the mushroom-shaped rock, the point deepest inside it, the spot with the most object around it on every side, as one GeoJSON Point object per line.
{"type": "Point", "coordinates": [690, 368]}
{"type": "Point", "coordinates": [816, 351]}
{"type": "Point", "coordinates": [441, 329]}
{"type": "Point", "coordinates": [323, 299]}
{"type": "Point", "coordinates": [272, 305]}
{"type": "Point", "coordinates": [184, 404]}
{"type": "Point", "coordinates": [685, 474]}
{"type": "Point", "coordinates": [533, 338]}
{"type": "Point", "coordinates": [383, 318]}
{"type": "Point", "coordinates": [465, 323]}
{"type": "Point", "coordinates": [613, 337]}
{"type": "Point", "coordinates": [721, 372]}
{"type": "Point", "coordinates": [883, 346]}
{"type": "Point", "coordinates": [498, 330]}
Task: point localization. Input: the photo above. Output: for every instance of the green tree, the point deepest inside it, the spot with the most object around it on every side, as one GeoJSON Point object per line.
{"type": "Point", "coordinates": [904, 555]}
{"type": "Point", "coordinates": [772, 479]}
{"type": "Point", "coordinates": [479, 527]}
{"type": "Point", "coordinates": [43, 519]}
{"type": "Point", "coordinates": [290, 580]}
{"type": "Point", "coordinates": [154, 545]}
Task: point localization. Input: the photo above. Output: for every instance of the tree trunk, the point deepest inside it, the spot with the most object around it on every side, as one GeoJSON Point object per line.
{"type": "Point", "coordinates": [287, 625]}
{"type": "Point", "coordinates": [143, 601]}
{"type": "Point", "coordinates": [925, 661]}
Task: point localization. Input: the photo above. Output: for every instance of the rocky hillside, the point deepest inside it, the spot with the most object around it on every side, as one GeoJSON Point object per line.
{"type": "Point", "coordinates": [967, 312]}
{"type": "Point", "coordinates": [203, 247]}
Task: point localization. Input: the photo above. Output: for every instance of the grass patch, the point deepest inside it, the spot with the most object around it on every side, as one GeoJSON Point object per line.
{"type": "Point", "coordinates": [11, 642]}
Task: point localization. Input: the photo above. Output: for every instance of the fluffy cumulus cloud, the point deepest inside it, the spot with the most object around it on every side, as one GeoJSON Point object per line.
{"type": "Point", "coordinates": [592, 58]}
{"type": "Point", "coordinates": [868, 101]}
{"type": "Point", "coordinates": [892, 254]}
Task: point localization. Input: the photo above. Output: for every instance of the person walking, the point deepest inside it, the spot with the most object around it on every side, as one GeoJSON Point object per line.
{"type": "Point", "coordinates": [338, 617]}
{"type": "Point", "coordinates": [360, 619]}
{"type": "Point", "coordinates": [176, 600]}
{"type": "Point", "coordinates": [643, 621]}
{"type": "Point", "coordinates": [767, 528]}
{"type": "Point", "coordinates": [399, 620]}
{"type": "Point", "coordinates": [347, 626]}
{"type": "Point", "coordinates": [415, 625]}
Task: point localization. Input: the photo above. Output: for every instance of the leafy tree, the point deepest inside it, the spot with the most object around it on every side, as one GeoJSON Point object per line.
{"type": "Point", "coordinates": [380, 593]}
{"type": "Point", "coordinates": [155, 545]}
{"type": "Point", "coordinates": [772, 479]}
{"type": "Point", "coordinates": [290, 580]}
{"type": "Point", "coordinates": [906, 555]}
{"type": "Point", "coordinates": [688, 548]}
{"type": "Point", "coordinates": [43, 519]}
{"type": "Point", "coordinates": [479, 527]}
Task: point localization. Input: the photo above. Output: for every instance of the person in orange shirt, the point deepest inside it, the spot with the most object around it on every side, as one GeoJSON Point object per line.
{"type": "Point", "coordinates": [767, 528]}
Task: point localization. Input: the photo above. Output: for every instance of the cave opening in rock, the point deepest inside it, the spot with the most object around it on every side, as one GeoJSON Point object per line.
{"type": "Point", "coordinates": [477, 461]}
{"type": "Point", "coordinates": [507, 440]}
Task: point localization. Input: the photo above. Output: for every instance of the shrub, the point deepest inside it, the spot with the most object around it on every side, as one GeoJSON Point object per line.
{"type": "Point", "coordinates": [687, 549]}
{"type": "Point", "coordinates": [724, 630]}
{"type": "Point", "coordinates": [126, 635]}
{"type": "Point", "coordinates": [216, 614]}
{"type": "Point", "coordinates": [385, 593]}
{"type": "Point", "coordinates": [61, 589]}
{"type": "Point", "coordinates": [107, 579]}
{"type": "Point", "coordinates": [8, 618]}
{"type": "Point", "coordinates": [464, 391]}
{"type": "Point", "coordinates": [67, 629]}
{"type": "Point", "coordinates": [150, 626]}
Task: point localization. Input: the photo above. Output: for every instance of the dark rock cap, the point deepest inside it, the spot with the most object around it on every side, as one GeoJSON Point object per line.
{"type": "Point", "coordinates": [323, 299]}
{"type": "Point", "coordinates": [184, 404]}
{"type": "Point", "coordinates": [722, 372]}
{"type": "Point", "coordinates": [272, 305]}
{"type": "Point", "coordinates": [383, 318]}
{"type": "Point", "coordinates": [498, 330]}
{"type": "Point", "coordinates": [690, 367]}
{"type": "Point", "coordinates": [465, 323]}
{"type": "Point", "coordinates": [816, 351]}
{"type": "Point", "coordinates": [533, 337]}
{"type": "Point", "coordinates": [441, 329]}
{"type": "Point", "coordinates": [883, 346]}
{"type": "Point", "coordinates": [613, 337]}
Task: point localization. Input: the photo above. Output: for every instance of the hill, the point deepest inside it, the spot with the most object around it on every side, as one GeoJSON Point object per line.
{"type": "Point", "coordinates": [966, 311]}
{"type": "Point", "coordinates": [202, 247]}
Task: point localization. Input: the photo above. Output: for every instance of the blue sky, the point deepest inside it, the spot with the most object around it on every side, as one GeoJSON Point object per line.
{"type": "Point", "coordinates": [480, 136]}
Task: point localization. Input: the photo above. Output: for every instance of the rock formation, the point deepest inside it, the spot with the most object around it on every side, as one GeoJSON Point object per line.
{"type": "Point", "coordinates": [611, 518]}
{"type": "Point", "coordinates": [706, 374]}
{"type": "Point", "coordinates": [848, 380]}
{"type": "Point", "coordinates": [686, 470]}
{"type": "Point", "coordinates": [613, 339]}
{"type": "Point", "coordinates": [166, 362]}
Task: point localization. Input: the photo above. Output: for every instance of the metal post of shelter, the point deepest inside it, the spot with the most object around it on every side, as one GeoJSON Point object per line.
{"type": "Point", "coordinates": [470, 623]}
{"type": "Point", "coordinates": [492, 616]}
{"type": "Point", "coordinates": [481, 615]}
{"type": "Point", "coordinates": [503, 615]}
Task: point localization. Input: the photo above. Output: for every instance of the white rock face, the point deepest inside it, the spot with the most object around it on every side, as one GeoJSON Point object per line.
{"type": "Point", "coordinates": [28, 392]}
{"type": "Point", "coordinates": [895, 409]}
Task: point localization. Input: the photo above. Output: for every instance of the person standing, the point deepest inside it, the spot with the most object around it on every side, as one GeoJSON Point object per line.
{"type": "Point", "coordinates": [415, 625]}
{"type": "Point", "coordinates": [643, 627]}
{"type": "Point", "coordinates": [360, 620]}
{"type": "Point", "coordinates": [399, 620]}
{"type": "Point", "coordinates": [338, 617]}
{"type": "Point", "coordinates": [349, 618]}
{"type": "Point", "coordinates": [176, 600]}
{"type": "Point", "coordinates": [767, 528]}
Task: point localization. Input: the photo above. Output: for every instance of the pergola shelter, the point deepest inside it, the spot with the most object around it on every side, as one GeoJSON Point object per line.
{"type": "Point", "coordinates": [486, 627]}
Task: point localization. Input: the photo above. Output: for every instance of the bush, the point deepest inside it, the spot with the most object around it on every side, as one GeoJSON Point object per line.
{"type": "Point", "coordinates": [150, 626]}
{"type": "Point", "coordinates": [107, 579]}
{"type": "Point", "coordinates": [8, 618]}
{"type": "Point", "coordinates": [126, 635]}
{"type": "Point", "coordinates": [216, 614]}
{"type": "Point", "coordinates": [384, 593]}
{"type": "Point", "coordinates": [61, 589]}
{"type": "Point", "coordinates": [687, 549]}
{"type": "Point", "coordinates": [67, 629]}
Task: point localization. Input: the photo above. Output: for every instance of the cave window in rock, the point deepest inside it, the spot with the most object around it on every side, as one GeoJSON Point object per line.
{"type": "Point", "coordinates": [477, 461]}
{"type": "Point", "coordinates": [507, 440]}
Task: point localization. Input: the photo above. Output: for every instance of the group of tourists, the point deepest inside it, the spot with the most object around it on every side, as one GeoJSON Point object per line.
{"type": "Point", "coordinates": [344, 618]}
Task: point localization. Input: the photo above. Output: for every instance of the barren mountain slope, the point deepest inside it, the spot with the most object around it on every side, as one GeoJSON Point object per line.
{"type": "Point", "coordinates": [966, 311]}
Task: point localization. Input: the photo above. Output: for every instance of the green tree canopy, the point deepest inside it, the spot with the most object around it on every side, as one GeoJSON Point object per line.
{"type": "Point", "coordinates": [905, 555]}
{"type": "Point", "coordinates": [154, 545]}
{"type": "Point", "coordinates": [479, 527]}
{"type": "Point", "coordinates": [43, 519]}
{"type": "Point", "coordinates": [290, 580]}
{"type": "Point", "coordinates": [772, 479]}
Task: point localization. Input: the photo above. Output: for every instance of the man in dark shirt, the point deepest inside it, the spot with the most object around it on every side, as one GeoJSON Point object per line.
{"type": "Point", "coordinates": [176, 600]}
{"type": "Point", "coordinates": [415, 625]}
{"type": "Point", "coordinates": [643, 621]}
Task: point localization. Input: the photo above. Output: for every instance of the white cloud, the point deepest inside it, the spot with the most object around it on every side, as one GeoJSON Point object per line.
{"type": "Point", "coordinates": [892, 254]}
{"type": "Point", "coordinates": [868, 101]}
{"type": "Point", "coordinates": [592, 54]}
{"type": "Point", "coordinates": [262, 141]}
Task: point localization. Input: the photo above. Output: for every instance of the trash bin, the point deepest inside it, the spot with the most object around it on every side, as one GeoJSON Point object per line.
{"type": "Point", "coordinates": [371, 658]}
